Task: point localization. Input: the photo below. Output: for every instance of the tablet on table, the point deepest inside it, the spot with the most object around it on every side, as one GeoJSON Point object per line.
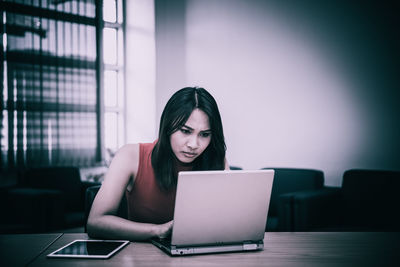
{"type": "Point", "coordinates": [98, 249]}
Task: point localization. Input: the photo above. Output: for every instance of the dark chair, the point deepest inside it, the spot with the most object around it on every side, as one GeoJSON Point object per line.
{"type": "Point", "coordinates": [235, 168]}
{"type": "Point", "coordinates": [287, 183]}
{"type": "Point", "coordinates": [91, 193]}
{"type": "Point", "coordinates": [68, 211]}
{"type": "Point", "coordinates": [367, 201]}
{"type": "Point", "coordinates": [28, 210]}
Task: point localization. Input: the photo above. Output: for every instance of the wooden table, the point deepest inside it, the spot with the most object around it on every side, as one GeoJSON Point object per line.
{"type": "Point", "coordinates": [22, 249]}
{"type": "Point", "coordinates": [281, 249]}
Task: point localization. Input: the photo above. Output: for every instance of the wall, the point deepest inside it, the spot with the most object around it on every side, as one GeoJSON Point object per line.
{"type": "Point", "coordinates": [170, 50]}
{"type": "Point", "coordinates": [140, 51]}
{"type": "Point", "coordinates": [311, 85]}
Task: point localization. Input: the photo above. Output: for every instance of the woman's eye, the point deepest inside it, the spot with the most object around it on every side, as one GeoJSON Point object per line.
{"type": "Point", "coordinates": [205, 134]}
{"type": "Point", "coordinates": [185, 131]}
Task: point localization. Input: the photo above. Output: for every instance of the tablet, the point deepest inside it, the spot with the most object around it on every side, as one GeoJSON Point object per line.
{"type": "Point", "coordinates": [97, 249]}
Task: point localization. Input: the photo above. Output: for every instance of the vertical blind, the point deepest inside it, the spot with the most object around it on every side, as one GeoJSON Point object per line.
{"type": "Point", "coordinates": [50, 83]}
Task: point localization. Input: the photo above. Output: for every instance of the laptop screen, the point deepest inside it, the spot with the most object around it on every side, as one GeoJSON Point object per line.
{"type": "Point", "coordinates": [214, 207]}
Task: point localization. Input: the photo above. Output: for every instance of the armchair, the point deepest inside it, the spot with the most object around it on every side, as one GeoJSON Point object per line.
{"type": "Point", "coordinates": [68, 211]}
{"type": "Point", "coordinates": [25, 209]}
{"type": "Point", "coordinates": [287, 183]}
{"type": "Point", "coordinates": [29, 210]}
{"type": "Point", "coordinates": [233, 168]}
{"type": "Point", "coordinates": [367, 201]}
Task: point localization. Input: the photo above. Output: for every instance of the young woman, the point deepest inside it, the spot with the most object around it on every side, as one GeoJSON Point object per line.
{"type": "Point", "coordinates": [190, 138]}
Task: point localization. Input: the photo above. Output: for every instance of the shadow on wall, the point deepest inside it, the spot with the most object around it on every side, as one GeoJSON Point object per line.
{"type": "Point", "coordinates": [316, 82]}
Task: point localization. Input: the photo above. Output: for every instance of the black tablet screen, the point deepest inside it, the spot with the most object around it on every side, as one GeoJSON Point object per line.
{"type": "Point", "coordinates": [90, 248]}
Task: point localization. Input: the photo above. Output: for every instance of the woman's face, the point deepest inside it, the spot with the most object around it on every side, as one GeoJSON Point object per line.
{"type": "Point", "coordinates": [192, 138]}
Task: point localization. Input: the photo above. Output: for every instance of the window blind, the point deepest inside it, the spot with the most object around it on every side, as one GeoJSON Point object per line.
{"type": "Point", "coordinates": [50, 100]}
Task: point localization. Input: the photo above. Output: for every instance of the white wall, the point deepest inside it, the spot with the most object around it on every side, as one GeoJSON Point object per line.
{"type": "Point", "coordinates": [140, 98]}
{"type": "Point", "coordinates": [297, 86]}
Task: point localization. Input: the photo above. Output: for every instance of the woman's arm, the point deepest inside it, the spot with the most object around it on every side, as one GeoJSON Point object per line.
{"type": "Point", "coordinates": [102, 221]}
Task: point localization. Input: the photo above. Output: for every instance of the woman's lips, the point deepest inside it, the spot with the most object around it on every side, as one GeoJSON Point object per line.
{"type": "Point", "coordinates": [189, 155]}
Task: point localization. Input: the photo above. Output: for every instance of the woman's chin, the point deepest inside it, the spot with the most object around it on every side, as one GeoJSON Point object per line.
{"type": "Point", "coordinates": [186, 160]}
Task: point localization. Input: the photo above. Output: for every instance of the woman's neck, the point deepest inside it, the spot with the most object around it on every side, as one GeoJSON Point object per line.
{"type": "Point", "coordinates": [182, 166]}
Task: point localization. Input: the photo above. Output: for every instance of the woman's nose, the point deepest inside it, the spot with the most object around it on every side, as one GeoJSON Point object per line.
{"type": "Point", "coordinates": [193, 142]}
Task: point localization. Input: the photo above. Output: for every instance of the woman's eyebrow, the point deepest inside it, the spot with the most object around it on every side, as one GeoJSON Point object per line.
{"type": "Point", "coordinates": [190, 128]}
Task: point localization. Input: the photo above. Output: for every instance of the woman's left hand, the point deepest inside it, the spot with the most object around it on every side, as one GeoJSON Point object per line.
{"type": "Point", "coordinates": [165, 229]}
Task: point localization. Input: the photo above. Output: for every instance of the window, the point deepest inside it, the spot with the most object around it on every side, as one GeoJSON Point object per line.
{"type": "Point", "coordinates": [52, 88]}
{"type": "Point", "coordinates": [113, 73]}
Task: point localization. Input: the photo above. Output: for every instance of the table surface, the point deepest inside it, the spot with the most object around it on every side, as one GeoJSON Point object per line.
{"type": "Point", "coordinates": [20, 250]}
{"type": "Point", "coordinates": [280, 249]}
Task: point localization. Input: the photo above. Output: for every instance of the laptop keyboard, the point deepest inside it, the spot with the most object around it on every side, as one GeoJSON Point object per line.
{"type": "Point", "coordinates": [164, 241]}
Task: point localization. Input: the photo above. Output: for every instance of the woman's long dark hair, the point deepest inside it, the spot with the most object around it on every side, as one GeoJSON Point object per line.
{"type": "Point", "coordinates": [175, 114]}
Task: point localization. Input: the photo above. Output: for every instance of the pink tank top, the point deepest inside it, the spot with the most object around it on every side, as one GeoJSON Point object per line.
{"type": "Point", "coordinates": [147, 203]}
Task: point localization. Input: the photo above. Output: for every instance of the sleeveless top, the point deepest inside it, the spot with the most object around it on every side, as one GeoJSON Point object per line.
{"type": "Point", "coordinates": [146, 202]}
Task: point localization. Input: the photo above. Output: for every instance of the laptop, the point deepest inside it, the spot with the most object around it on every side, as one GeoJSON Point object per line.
{"type": "Point", "coordinates": [219, 211]}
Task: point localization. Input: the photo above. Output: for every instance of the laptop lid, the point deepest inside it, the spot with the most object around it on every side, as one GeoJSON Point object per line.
{"type": "Point", "coordinates": [221, 207]}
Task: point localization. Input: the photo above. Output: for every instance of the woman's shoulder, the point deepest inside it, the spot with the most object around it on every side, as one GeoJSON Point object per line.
{"type": "Point", "coordinates": [129, 149]}
{"type": "Point", "coordinates": [126, 159]}
{"type": "Point", "coordinates": [127, 154]}
{"type": "Point", "coordinates": [147, 147]}
{"type": "Point", "coordinates": [134, 150]}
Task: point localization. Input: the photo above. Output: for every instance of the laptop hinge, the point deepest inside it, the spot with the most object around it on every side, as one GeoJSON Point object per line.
{"type": "Point", "coordinates": [248, 245]}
